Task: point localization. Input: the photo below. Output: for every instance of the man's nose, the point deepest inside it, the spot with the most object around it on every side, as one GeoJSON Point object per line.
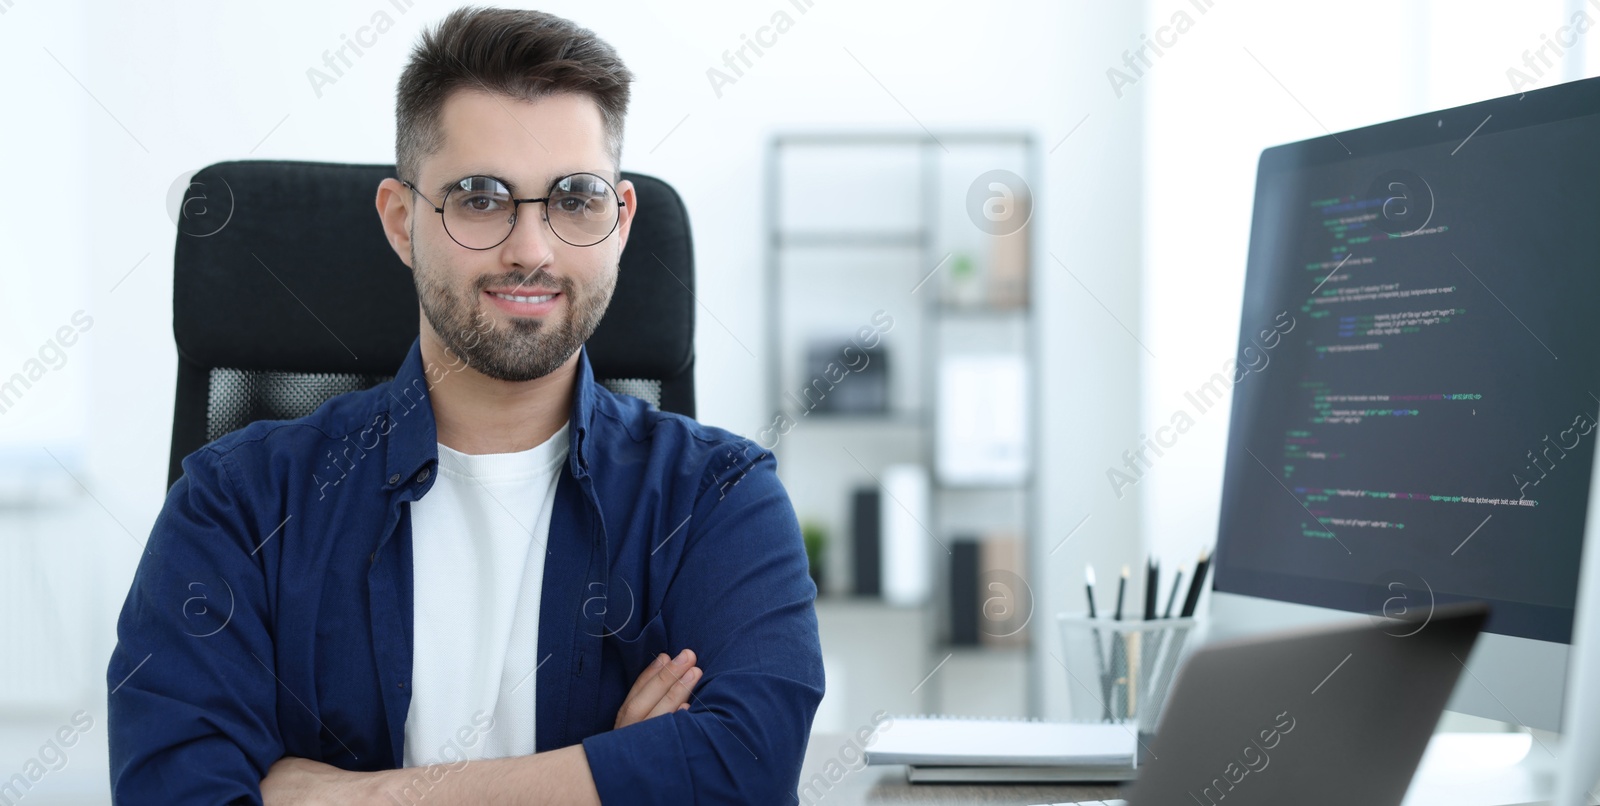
{"type": "Point", "coordinates": [531, 242]}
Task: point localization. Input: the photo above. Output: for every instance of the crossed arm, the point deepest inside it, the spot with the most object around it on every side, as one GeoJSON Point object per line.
{"type": "Point", "coordinates": [196, 719]}
{"type": "Point", "coordinates": [554, 776]}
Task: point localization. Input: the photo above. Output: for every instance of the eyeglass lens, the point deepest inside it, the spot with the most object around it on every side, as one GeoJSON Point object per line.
{"type": "Point", "coordinates": [582, 210]}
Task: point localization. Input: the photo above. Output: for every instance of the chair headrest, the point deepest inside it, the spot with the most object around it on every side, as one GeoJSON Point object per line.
{"type": "Point", "coordinates": [284, 265]}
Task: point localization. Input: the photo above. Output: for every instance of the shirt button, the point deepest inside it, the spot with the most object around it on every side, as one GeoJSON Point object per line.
{"type": "Point", "coordinates": [374, 558]}
{"type": "Point", "coordinates": [423, 476]}
{"type": "Point", "coordinates": [395, 479]}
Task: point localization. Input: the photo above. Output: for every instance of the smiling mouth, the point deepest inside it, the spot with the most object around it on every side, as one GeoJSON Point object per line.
{"type": "Point", "coordinates": [533, 299]}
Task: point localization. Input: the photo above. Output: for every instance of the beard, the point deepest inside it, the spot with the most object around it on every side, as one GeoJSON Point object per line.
{"type": "Point", "coordinates": [522, 348]}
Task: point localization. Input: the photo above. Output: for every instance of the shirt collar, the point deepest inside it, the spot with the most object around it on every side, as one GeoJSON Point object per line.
{"type": "Point", "coordinates": [413, 431]}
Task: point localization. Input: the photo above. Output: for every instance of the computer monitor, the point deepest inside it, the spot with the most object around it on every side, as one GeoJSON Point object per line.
{"type": "Point", "coordinates": [1416, 397]}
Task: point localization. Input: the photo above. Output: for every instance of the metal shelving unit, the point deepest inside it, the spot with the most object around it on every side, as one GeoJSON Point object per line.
{"type": "Point", "coordinates": [888, 245]}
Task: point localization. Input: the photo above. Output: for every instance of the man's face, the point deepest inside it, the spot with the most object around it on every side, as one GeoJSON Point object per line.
{"type": "Point", "coordinates": [526, 145]}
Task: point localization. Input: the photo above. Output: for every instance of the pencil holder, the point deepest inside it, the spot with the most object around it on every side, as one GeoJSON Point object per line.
{"type": "Point", "coordinates": [1119, 671]}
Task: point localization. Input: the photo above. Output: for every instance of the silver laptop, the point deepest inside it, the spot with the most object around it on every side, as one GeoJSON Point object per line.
{"type": "Point", "coordinates": [1328, 715]}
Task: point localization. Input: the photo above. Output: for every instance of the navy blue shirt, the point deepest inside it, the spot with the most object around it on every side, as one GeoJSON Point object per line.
{"type": "Point", "coordinates": [271, 613]}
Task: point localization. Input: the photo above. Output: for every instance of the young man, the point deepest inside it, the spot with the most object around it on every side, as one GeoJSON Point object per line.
{"type": "Point", "coordinates": [472, 584]}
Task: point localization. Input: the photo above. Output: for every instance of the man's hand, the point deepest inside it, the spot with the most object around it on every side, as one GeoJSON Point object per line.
{"type": "Point", "coordinates": [662, 688]}
{"type": "Point", "coordinates": [552, 777]}
{"type": "Point", "coordinates": [296, 781]}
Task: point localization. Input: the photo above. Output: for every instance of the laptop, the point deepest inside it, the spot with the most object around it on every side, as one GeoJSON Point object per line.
{"type": "Point", "coordinates": [1326, 715]}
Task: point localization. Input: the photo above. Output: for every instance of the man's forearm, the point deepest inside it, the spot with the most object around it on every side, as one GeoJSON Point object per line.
{"type": "Point", "coordinates": [554, 776]}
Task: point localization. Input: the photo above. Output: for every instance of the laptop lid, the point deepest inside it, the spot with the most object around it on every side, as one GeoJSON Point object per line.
{"type": "Point", "coordinates": [1326, 715]}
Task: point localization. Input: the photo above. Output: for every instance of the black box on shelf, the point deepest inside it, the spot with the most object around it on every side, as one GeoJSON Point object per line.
{"type": "Point", "coordinates": [842, 378]}
{"type": "Point", "coordinates": [964, 603]}
{"type": "Point", "coordinates": [866, 541]}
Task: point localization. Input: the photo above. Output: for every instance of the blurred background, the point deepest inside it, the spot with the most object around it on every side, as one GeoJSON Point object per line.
{"type": "Point", "coordinates": [1039, 217]}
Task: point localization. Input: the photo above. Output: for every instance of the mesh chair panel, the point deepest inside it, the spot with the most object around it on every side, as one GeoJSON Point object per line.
{"type": "Point", "coordinates": [643, 388]}
{"type": "Point", "coordinates": [239, 397]}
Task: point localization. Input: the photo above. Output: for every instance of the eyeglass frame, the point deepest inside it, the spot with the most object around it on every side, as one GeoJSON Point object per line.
{"type": "Point", "coordinates": [516, 209]}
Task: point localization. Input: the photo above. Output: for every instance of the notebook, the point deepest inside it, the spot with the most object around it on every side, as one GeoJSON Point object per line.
{"type": "Point", "coordinates": [1034, 774]}
{"type": "Point", "coordinates": [991, 742]}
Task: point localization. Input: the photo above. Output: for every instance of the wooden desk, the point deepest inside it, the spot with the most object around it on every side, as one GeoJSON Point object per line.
{"type": "Point", "coordinates": [861, 784]}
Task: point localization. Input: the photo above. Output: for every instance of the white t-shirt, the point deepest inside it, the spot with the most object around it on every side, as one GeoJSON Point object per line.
{"type": "Point", "coordinates": [479, 540]}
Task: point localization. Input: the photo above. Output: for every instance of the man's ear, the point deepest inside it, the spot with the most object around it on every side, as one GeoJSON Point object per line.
{"type": "Point", "coordinates": [394, 211]}
{"type": "Point", "coordinates": [630, 208]}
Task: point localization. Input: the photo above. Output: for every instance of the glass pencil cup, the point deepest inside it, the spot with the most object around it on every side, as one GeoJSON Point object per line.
{"type": "Point", "coordinates": [1120, 671]}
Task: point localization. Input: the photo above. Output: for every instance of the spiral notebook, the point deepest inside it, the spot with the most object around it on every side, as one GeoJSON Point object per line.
{"type": "Point", "coordinates": [952, 741]}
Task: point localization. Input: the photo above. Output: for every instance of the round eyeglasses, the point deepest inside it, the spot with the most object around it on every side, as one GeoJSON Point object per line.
{"type": "Point", "coordinates": [479, 211]}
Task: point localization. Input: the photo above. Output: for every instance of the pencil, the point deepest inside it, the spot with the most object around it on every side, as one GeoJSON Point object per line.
{"type": "Point", "coordinates": [1177, 581]}
{"type": "Point", "coordinates": [1152, 581]}
{"type": "Point", "coordinates": [1197, 584]}
{"type": "Point", "coordinates": [1099, 654]}
{"type": "Point", "coordinates": [1088, 588]}
{"type": "Point", "coordinates": [1122, 588]}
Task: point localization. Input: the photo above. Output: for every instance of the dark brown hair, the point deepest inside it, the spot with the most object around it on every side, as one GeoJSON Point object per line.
{"type": "Point", "coordinates": [514, 53]}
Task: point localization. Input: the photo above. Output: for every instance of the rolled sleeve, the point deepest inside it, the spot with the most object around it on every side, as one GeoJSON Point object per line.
{"type": "Point", "coordinates": [191, 713]}
{"type": "Point", "coordinates": [742, 599]}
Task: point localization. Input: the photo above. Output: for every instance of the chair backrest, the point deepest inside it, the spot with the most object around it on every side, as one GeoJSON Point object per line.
{"type": "Point", "coordinates": [286, 293]}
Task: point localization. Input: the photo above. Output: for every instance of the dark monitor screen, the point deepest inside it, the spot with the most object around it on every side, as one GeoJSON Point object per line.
{"type": "Point", "coordinates": [1418, 378]}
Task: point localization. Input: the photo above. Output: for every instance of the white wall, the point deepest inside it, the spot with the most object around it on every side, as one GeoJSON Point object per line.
{"type": "Point", "coordinates": [1146, 204]}
{"type": "Point", "coordinates": [1212, 108]}
{"type": "Point", "coordinates": [143, 97]}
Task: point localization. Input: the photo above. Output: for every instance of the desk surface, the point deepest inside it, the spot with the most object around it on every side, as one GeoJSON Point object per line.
{"type": "Point", "coordinates": [888, 784]}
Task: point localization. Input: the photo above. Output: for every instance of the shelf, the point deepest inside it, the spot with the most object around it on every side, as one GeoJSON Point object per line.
{"type": "Point", "coordinates": [839, 601]}
{"type": "Point", "coordinates": [982, 650]}
{"type": "Point", "coordinates": [980, 488]}
{"type": "Point", "coordinates": [852, 420]}
{"type": "Point", "coordinates": [884, 645]}
{"type": "Point", "coordinates": [858, 138]}
{"type": "Point", "coordinates": [823, 239]}
{"type": "Point", "coordinates": [981, 312]}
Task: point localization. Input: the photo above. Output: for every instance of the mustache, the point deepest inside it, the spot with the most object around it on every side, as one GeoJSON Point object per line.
{"type": "Point", "coordinates": [539, 279]}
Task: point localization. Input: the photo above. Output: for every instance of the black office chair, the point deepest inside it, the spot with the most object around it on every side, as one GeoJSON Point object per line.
{"type": "Point", "coordinates": [286, 293]}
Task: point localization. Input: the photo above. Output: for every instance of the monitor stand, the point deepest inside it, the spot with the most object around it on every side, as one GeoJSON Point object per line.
{"type": "Point", "coordinates": [1515, 768]}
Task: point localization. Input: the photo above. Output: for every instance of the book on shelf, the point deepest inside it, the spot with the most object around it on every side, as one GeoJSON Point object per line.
{"type": "Point", "coordinates": [907, 564]}
{"type": "Point", "coordinates": [1008, 261]}
{"type": "Point", "coordinates": [866, 543]}
{"type": "Point", "coordinates": [982, 419]}
{"type": "Point", "coordinates": [1005, 599]}
{"type": "Point", "coordinates": [966, 603]}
